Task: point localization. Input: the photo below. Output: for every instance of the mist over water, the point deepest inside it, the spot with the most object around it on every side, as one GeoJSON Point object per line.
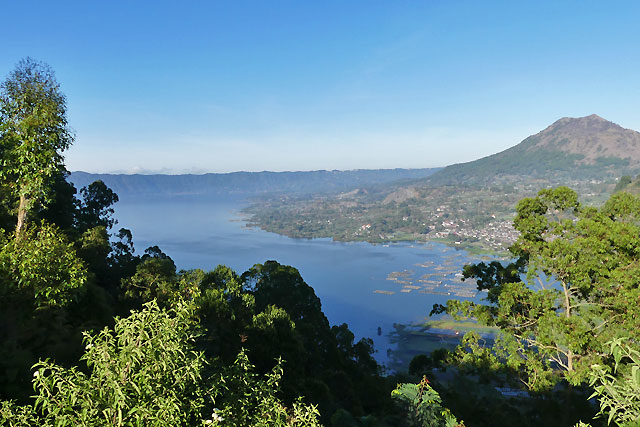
{"type": "Point", "coordinates": [203, 233]}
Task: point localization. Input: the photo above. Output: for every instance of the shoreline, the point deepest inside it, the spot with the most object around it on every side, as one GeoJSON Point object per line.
{"type": "Point", "coordinates": [477, 248]}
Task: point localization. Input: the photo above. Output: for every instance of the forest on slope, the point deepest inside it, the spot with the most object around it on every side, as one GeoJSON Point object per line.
{"type": "Point", "coordinates": [103, 336]}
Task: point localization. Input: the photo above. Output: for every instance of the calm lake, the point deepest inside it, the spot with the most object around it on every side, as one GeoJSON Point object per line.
{"type": "Point", "coordinates": [199, 233]}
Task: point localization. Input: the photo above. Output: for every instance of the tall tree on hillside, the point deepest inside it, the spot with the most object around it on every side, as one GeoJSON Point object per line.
{"type": "Point", "coordinates": [33, 133]}
{"type": "Point", "coordinates": [583, 269]}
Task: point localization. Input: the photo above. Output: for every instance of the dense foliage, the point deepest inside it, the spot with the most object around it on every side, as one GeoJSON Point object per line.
{"type": "Point", "coordinates": [572, 289]}
{"type": "Point", "coordinates": [176, 346]}
{"type": "Point", "coordinates": [216, 347]}
{"type": "Point", "coordinates": [424, 405]}
{"type": "Point", "coordinates": [618, 386]}
{"type": "Point", "coordinates": [148, 372]}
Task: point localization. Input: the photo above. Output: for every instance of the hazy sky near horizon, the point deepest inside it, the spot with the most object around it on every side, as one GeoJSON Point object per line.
{"type": "Point", "coordinates": [199, 86]}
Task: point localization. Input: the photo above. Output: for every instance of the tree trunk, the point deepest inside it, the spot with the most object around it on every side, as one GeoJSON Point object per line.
{"type": "Point", "coordinates": [567, 308]}
{"type": "Point", "coordinates": [22, 213]}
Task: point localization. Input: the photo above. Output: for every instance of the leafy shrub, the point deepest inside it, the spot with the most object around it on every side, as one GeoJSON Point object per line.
{"type": "Point", "coordinates": [43, 261]}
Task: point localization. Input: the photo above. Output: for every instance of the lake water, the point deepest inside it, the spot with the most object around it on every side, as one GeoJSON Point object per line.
{"type": "Point", "coordinates": [199, 233]}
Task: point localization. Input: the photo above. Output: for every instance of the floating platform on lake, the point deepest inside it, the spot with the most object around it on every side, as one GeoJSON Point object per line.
{"type": "Point", "coordinates": [427, 264]}
{"type": "Point", "coordinates": [400, 275]}
{"type": "Point", "coordinates": [465, 294]}
{"type": "Point", "coordinates": [431, 292]}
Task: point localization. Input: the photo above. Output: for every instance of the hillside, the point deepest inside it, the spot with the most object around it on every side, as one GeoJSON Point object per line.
{"type": "Point", "coordinates": [468, 204]}
{"type": "Point", "coordinates": [584, 148]}
{"type": "Point", "coordinates": [248, 183]}
{"type": "Point", "coordinates": [628, 185]}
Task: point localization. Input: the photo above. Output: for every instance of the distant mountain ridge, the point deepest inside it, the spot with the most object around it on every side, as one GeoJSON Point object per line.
{"type": "Point", "coordinates": [570, 149]}
{"type": "Point", "coordinates": [580, 147]}
{"type": "Point", "coordinates": [248, 183]}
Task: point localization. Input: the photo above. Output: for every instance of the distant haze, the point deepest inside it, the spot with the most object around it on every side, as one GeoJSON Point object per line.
{"type": "Point", "coordinates": [247, 183]}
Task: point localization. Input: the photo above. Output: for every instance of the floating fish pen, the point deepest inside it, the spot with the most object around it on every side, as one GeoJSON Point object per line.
{"type": "Point", "coordinates": [433, 292]}
{"type": "Point", "coordinates": [378, 291]}
{"type": "Point", "coordinates": [435, 282]}
{"type": "Point", "coordinates": [395, 275]}
{"type": "Point", "coordinates": [424, 265]}
{"type": "Point", "coordinates": [465, 294]}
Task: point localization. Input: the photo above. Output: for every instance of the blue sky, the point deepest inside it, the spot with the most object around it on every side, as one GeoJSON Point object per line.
{"type": "Point", "coordinates": [300, 85]}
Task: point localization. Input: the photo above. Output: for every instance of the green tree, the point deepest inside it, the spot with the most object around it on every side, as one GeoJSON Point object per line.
{"type": "Point", "coordinates": [62, 209]}
{"type": "Point", "coordinates": [582, 268]}
{"type": "Point", "coordinates": [122, 259]}
{"type": "Point", "coordinates": [423, 406]}
{"type": "Point", "coordinates": [272, 313]}
{"type": "Point", "coordinates": [45, 263]}
{"type": "Point", "coordinates": [246, 399]}
{"type": "Point", "coordinates": [225, 310]}
{"type": "Point", "coordinates": [281, 285]}
{"type": "Point", "coordinates": [155, 278]}
{"type": "Point", "coordinates": [96, 207]}
{"type": "Point", "coordinates": [146, 371]}
{"type": "Point", "coordinates": [33, 134]}
{"type": "Point", "coordinates": [618, 387]}
{"type": "Point", "coordinates": [624, 182]}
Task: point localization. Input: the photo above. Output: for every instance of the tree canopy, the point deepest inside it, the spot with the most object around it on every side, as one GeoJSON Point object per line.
{"type": "Point", "coordinates": [147, 371]}
{"type": "Point", "coordinates": [196, 347]}
{"type": "Point", "coordinates": [33, 134]}
{"type": "Point", "coordinates": [573, 287]}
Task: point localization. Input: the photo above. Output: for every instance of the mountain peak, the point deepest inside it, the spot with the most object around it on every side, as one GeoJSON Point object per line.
{"type": "Point", "coordinates": [593, 116]}
{"type": "Point", "coordinates": [589, 146]}
{"type": "Point", "coordinates": [591, 123]}
{"type": "Point", "coordinates": [590, 136]}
